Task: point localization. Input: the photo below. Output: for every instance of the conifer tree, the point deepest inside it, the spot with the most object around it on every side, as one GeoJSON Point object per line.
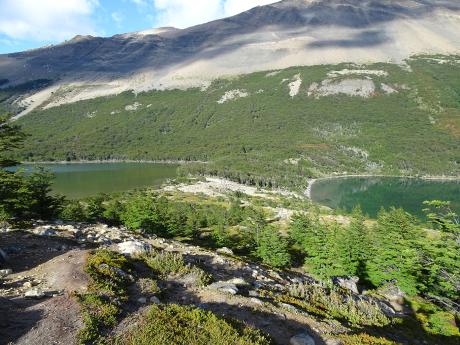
{"type": "Point", "coordinates": [272, 248]}
{"type": "Point", "coordinates": [396, 251]}
{"type": "Point", "coordinates": [354, 246]}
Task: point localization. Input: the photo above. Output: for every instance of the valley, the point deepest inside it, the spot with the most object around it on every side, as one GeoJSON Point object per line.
{"type": "Point", "coordinates": [285, 175]}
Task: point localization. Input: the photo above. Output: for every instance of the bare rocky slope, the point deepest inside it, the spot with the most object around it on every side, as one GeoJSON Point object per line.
{"type": "Point", "coordinates": [283, 34]}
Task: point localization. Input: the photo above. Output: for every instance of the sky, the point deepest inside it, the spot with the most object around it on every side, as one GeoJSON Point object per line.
{"type": "Point", "coordinates": [27, 24]}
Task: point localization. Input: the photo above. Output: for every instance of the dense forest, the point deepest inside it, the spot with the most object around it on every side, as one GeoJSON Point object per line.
{"type": "Point", "coordinates": [267, 129]}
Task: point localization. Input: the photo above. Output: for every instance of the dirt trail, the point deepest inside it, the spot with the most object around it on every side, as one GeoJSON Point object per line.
{"type": "Point", "coordinates": [53, 266]}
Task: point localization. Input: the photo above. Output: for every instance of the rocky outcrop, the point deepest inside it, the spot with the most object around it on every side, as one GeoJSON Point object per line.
{"type": "Point", "coordinates": [347, 283]}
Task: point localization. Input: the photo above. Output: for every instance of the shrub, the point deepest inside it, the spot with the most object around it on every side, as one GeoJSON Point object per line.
{"type": "Point", "coordinates": [142, 213]}
{"type": "Point", "coordinates": [181, 325]}
{"type": "Point", "coordinates": [339, 304]}
{"type": "Point", "coordinates": [165, 263]}
{"type": "Point", "coordinates": [108, 285]}
{"type": "Point", "coordinates": [73, 211]}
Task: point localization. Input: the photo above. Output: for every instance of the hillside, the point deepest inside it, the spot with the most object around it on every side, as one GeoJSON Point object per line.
{"type": "Point", "coordinates": [151, 267]}
{"type": "Point", "coordinates": [277, 36]}
{"type": "Point", "coordinates": [277, 127]}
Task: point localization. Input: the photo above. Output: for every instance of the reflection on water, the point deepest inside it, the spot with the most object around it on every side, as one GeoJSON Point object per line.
{"type": "Point", "coordinates": [82, 180]}
{"type": "Point", "coordinates": [372, 193]}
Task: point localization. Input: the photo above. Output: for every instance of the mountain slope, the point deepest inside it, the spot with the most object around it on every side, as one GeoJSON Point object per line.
{"type": "Point", "coordinates": [276, 128]}
{"type": "Point", "coordinates": [284, 34]}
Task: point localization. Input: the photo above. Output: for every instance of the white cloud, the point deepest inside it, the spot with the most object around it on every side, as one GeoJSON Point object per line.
{"type": "Point", "coordinates": [185, 13]}
{"type": "Point", "coordinates": [117, 18]}
{"type": "Point", "coordinates": [232, 7]}
{"type": "Point", "coordinates": [139, 2]}
{"type": "Point", "coordinates": [46, 19]}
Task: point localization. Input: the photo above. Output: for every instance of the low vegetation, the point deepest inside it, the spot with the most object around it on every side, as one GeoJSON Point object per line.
{"type": "Point", "coordinates": [107, 290]}
{"type": "Point", "coordinates": [175, 324]}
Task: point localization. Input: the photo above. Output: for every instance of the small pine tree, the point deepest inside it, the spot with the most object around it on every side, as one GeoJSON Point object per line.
{"type": "Point", "coordinates": [354, 246]}
{"type": "Point", "coordinates": [272, 248]}
{"type": "Point", "coordinates": [396, 251]}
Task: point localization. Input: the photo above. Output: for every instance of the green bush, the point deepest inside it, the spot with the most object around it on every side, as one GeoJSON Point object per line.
{"type": "Point", "coordinates": [73, 211]}
{"type": "Point", "coordinates": [165, 263]}
{"type": "Point", "coordinates": [180, 325]}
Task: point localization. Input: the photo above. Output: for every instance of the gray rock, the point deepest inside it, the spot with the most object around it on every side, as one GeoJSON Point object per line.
{"type": "Point", "coordinates": [155, 300]}
{"type": "Point", "coordinates": [253, 293]}
{"type": "Point", "coordinates": [134, 247]}
{"type": "Point", "coordinates": [225, 251]}
{"type": "Point", "coordinates": [35, 294]}
{"type": "Point", "coordinates": [256, 301]}
{"type": "Point", "coordinates": [302, 339]}
{"type": "Point", "coordinates": [5, 272]}
{"type": "Point", "coordinates": [238, 282]}
{"type": "Point", "coordinates": [224, 287]}
{"type": "Point", "coordinates": [142, 300]}
{"type": "Point", "coordinates": [47, 232]}
{"type": "Point", "coordinates": [27, 285]}
{"type": "Point", "coordinates": [289, 307]}
{"type": "Point", "coordinates": [347, 283]}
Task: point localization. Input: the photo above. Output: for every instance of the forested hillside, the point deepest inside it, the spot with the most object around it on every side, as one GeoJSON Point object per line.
{"type": "Point", "coordinates": [273, 128]}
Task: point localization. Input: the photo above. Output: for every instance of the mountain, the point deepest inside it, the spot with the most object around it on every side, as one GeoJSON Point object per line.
{"type": "Point", "coordinates": [354, 101]}
{"type": "Point", "coordinates": [284, 34]}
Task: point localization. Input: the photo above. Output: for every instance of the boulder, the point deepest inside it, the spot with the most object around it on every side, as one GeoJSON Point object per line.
{"type": "Point", "coordinates": [302, 339]}
{"type": "Point", "coordinates": [142, 300]}
{"type": "Point", "coordinates": [394, 296]}
{"type": "Point", "coordinates": [134, 247]}
{"type": "Point", "coordinates": [34, 294]}
{"type": "Point", "coordinates": [347, 283]}
{"type": "Point", "coordinates": [225, 251]}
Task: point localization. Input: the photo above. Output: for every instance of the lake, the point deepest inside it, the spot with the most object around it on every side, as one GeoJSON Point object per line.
{"type": "Point", "coordinates": [83, 180]}
{"type": "Point", "coordinates": [374, 192]}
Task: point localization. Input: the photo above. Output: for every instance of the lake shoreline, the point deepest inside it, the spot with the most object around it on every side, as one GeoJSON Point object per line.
{"type": "Point", "coordinates": [311, 182]}
{"type": "Point", "coordinates": [114, 161]}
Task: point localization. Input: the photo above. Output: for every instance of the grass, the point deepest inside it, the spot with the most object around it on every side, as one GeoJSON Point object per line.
{"type": "Point", "coordinates": [414, 131]}
{"type": "Point", "coordinates": [173, 324]}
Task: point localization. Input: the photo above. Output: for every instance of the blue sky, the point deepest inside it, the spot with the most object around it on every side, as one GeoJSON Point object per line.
{"type": "Point", "coordinates": [26, 24]}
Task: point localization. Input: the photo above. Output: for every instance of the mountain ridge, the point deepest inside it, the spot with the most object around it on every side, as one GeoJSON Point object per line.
{"type": "Point", "coordinates": [281, 35]}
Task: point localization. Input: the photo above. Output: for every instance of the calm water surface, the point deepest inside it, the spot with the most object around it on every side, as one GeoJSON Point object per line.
{"type": "Point", "coordinates": [374, 192]}
{"type": "Point", "coordinates": [83, 180]}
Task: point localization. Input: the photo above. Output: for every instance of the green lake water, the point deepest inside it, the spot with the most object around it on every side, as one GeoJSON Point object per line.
{"type": "Point", "coordinates": [371, 193]}
{"type": "Point", "coordinates": [83, 180]}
